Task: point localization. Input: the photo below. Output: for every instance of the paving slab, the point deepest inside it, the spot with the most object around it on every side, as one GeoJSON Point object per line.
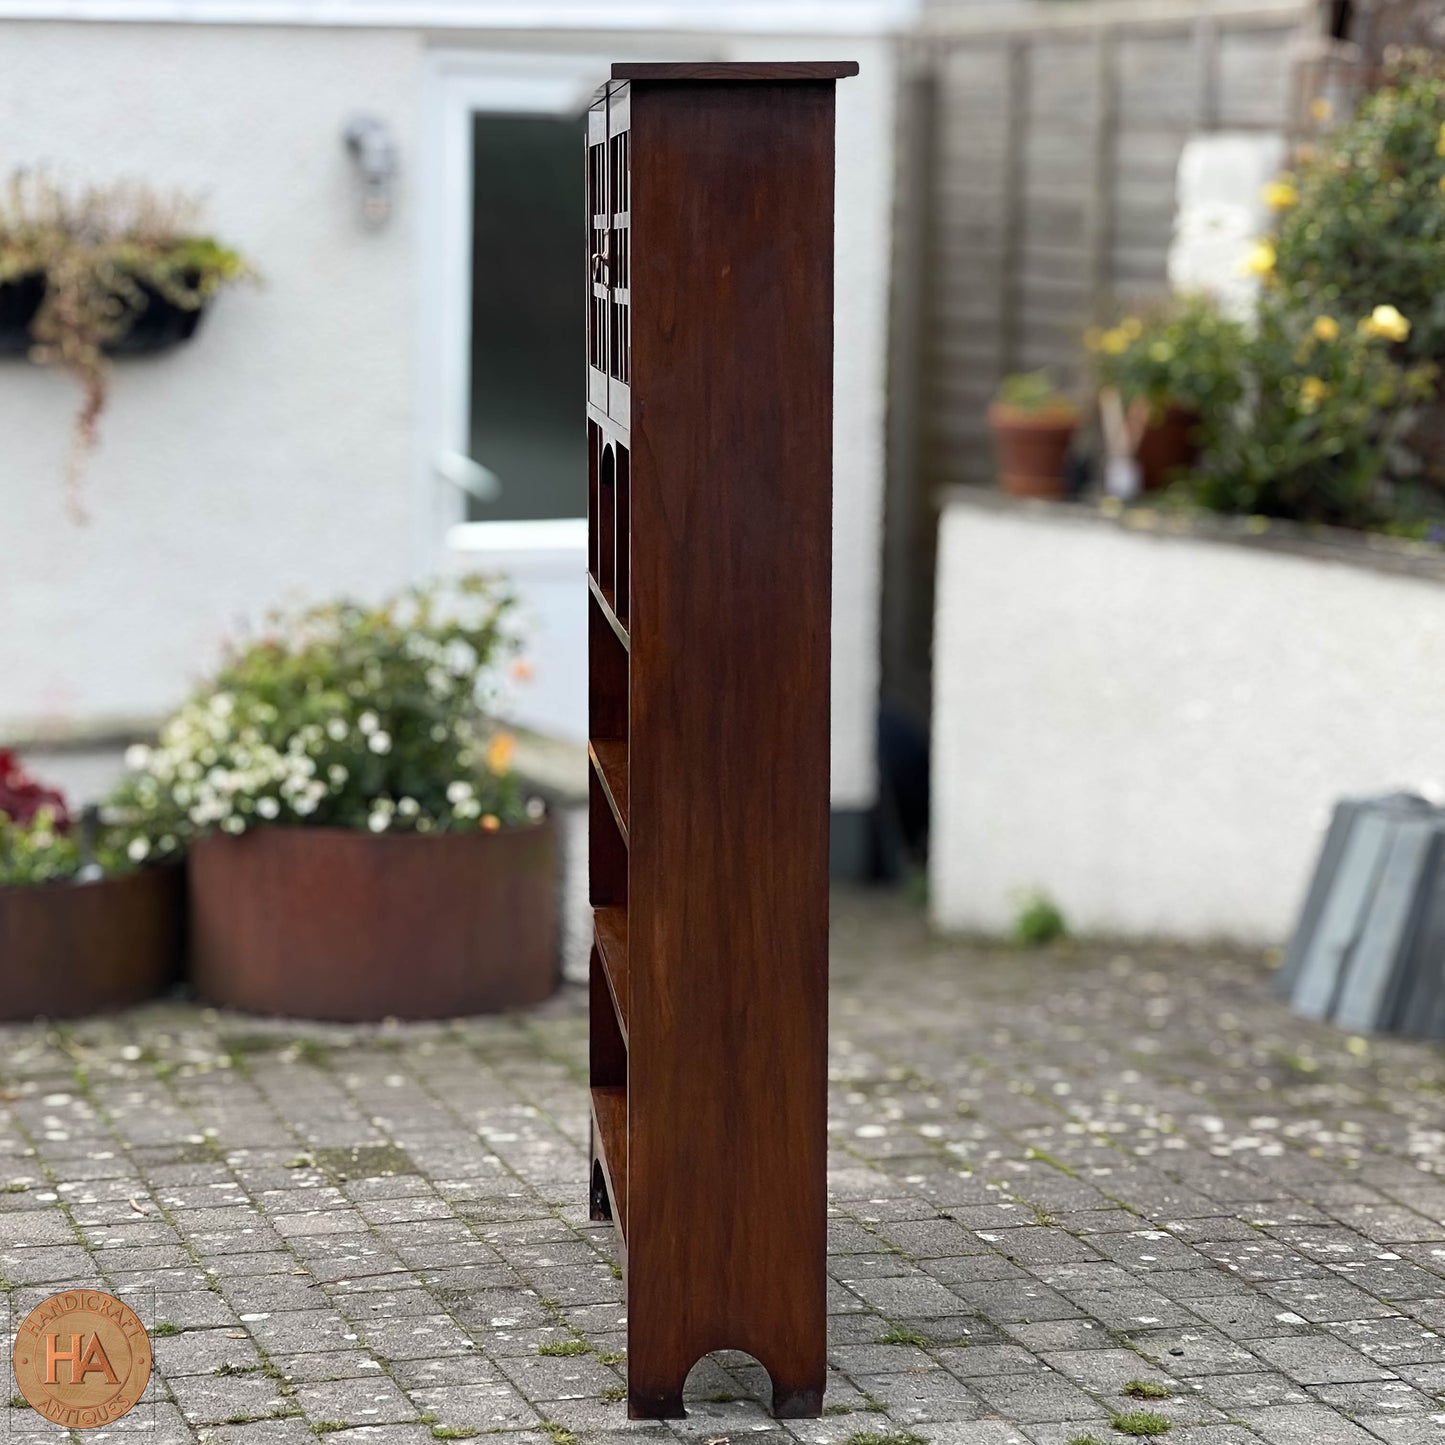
{"type": "Point", "coordinates": [1062, 1182]}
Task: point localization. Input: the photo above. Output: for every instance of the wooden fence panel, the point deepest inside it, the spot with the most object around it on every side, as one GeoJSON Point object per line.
{"type": "Point", "coordinates": [1052, 138]}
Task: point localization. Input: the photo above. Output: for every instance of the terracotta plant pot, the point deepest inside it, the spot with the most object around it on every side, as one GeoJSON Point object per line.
{"type": "Point", "coordinates": [1032, 448]}
{"type": "Point", "coordinates": [68, 949]}
{"type": "Point", "coordinates": [329, 923]}
{"type": "Point", "coordinates": [1168, 446]}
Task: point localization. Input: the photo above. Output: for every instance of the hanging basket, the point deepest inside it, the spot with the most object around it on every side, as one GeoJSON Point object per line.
{"type": "Point", "coordinates": [156, 325]}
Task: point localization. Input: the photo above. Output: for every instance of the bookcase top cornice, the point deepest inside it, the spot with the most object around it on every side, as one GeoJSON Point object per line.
{"type": "Point", "coordinates": [734, 70]}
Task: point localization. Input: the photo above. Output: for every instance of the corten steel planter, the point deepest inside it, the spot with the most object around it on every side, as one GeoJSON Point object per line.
{"type": "Point", "coordinates": [1168, 445]}
{"type": "Point", "coordinates": [68, 949]}
{"type": "Point", "coordinates": [1032, 448]}
{"type": "Point", "coordinates": [331, 923]}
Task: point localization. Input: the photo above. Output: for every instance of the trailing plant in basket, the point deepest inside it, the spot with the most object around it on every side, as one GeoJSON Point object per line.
{"type": "Point", "coordinates": [102, 254]}
{"type": "Point", "coordinates": [345, 715]}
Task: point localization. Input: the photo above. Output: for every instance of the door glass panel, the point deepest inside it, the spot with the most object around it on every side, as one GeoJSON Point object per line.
{"type": "Point", "coordinates": [528, 286]}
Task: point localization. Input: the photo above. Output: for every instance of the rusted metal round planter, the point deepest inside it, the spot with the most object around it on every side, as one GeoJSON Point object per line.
{"type": "Point", "coordinates": [328, 923]}
{"type": "Point", "coordinates": [68, 949]}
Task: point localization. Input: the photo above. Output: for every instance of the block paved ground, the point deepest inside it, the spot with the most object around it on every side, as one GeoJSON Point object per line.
{"type": "Point", "coordinates": [1054, 1174]}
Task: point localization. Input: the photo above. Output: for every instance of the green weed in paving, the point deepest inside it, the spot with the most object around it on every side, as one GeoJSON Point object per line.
{"type": "Point", "coordinates": [454, 1432]}
{"type": "Point", "coordinates": [1039, 921]}
{"type": "Point", "coordinates": [1146, 1390]}
{"type": "Point", "coordinates": [901, 1335]}
{"type": "Point", "coordinates": [1141, 1422]}
{"type": "Point", "coordinates": [565, 1347]}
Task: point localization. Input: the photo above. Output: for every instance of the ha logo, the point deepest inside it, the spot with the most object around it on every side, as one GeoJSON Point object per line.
{"type": "Point", "coordinates": [82, 1359]}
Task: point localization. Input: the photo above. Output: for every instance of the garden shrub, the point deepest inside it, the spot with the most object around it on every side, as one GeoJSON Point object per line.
{"type": "Point", "coordinates": [346, 715]}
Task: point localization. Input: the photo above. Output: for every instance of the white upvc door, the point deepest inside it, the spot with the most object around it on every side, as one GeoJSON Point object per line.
{"type": "Point", "coordinates": [503, 530]}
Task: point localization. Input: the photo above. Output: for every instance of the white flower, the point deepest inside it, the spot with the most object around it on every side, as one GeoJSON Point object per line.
{"type": "Point", "coordinates": [268, 807]}
{"type": "Point", "coordinates": [459, 791]}
{"type": "Point", "coordinates": [223, 704]}
{"type": "Point", "coordinates": [137, 849]}
{"type": "Point", "coordinates": [461, 657]}
{"type": "Point", "coordinates": [305, 806]}
{"type": "Point", "coordinates": [137, 755]}
{"type": "Point", "coordinates": [368, 722]}
{"type": "Point", "coordinates": [335, 729]}
{"type": "Point", "coordinates": [379, 742]}
{"type": "Point", "coordinates": [233, 824]}
{"type": "Point", "coordinates": [337, 774]}
{"type": "Point", "coordinates": [408, 807]}
{"type": "Point", "coordinates": [438, 732]}
{"type": "Point", "coordinates": [378, 821]}
{"type": "Point", "coordinates": [535, 807]}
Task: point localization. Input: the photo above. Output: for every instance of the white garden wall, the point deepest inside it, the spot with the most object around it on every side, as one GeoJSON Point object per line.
{"type": "Point", "coordinates": [1152, 727]}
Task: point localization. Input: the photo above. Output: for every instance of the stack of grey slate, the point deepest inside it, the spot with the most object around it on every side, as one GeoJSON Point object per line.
{"type": "Point", "coordinates": [1369, 951]}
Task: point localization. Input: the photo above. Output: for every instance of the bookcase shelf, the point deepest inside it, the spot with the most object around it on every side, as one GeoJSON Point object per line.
{"type": "Point", "coordinates": [709, 506]}
{"type": "Point", "coordinates": [611, 934]}
{"type": "Point", "coordinates": [604, 602]}
{"type": "Point", "coordinates": [609, 1122]}
{"type": "Point", "coordinates": [609, 761]}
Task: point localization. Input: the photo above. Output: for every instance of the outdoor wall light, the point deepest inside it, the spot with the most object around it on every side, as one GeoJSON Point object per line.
{"type": "Point", "coordinates": [371, 145]}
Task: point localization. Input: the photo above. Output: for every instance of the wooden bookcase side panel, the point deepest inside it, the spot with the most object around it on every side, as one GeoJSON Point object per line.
{"type": "Point", "coordinates": [731, 428]}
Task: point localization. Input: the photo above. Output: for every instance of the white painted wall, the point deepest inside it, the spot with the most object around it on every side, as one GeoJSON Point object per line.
{"type": "Point", "coordinates": [276, 457]}
{"type": "Point", "coordinates": [270, 458]}
{"type": "Point", "coordinates": [1153, 729]}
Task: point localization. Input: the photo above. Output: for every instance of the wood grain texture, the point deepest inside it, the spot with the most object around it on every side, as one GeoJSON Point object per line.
{"type": "Point", "coordinates": [731, 430]}
{"type": "Point", "coordinates": [721, 70]}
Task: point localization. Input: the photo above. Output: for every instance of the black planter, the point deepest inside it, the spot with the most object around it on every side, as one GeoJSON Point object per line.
{"type": "Point", "coordinates": [158, 323]}
{"type": "Point", "coordinates": [19, 301]}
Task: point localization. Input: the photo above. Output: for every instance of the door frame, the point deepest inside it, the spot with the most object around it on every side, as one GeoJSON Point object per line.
{"type": "Point", "coordinates": [456, 84]}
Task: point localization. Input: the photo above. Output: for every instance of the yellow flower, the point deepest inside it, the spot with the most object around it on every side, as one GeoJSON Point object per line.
{"type": "Point", "coordinates": [1132, 327]}
{"type": "Point", "coordinates": [1260, 261]}
{"type": "Point", "coordinates": [1093, 338]}
{"type": "Point", "coordinates": [499, 753]}
{"type": "Point", "coordinates": [490, 822]}
{"type": "Point", "coordinates": [1440, 142]}
{"type": "Point", "coordinates": [1386, 321]}
{"type": "Point", "coordinates": [1321, 109]}
{"type": "Point", "coordinates": [1442, 183]}
{"type": "Point", "coordinates": [1326, 328]}
{"type": "Point", "coordinates": [1161, 351]}
{"type": "Point", "coordinates": [1280, 195]}
{"type": "Point", "coordinates": [1113, 342]}
{"type": "Point", "coordinates": [1312, 392]}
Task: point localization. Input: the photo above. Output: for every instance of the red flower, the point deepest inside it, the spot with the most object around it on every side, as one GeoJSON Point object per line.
{"type": "Point", "coordinates": [22, 797]}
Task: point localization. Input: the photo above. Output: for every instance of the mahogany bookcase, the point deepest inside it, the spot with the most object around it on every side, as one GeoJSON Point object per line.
{"type": "Point", "coordinates": [709, 420]}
